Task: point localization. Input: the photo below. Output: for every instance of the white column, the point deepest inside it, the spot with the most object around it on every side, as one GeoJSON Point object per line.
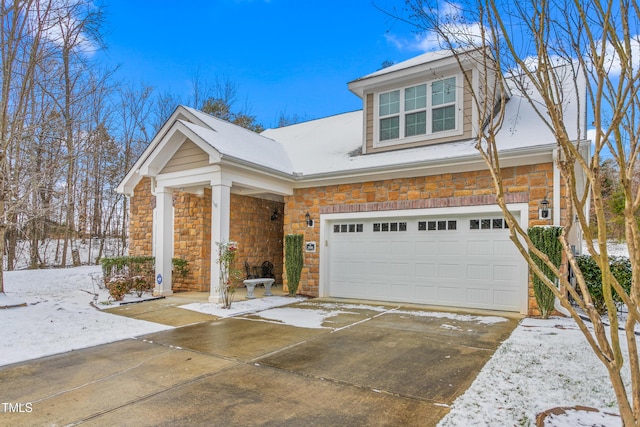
{"type": "Point", "coordinates": [163, 241]}
{"type": "Point", "coordinates": [220, 209]}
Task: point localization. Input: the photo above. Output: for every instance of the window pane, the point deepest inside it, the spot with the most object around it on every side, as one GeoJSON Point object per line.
{"type": "Point", "coordinates": [443, 91]}
{"type": "Point", "coordinates": [402, 226]}
{"type": "Point", "coordinates": [474, 224]}
{"type": "Point", "coordinates": [389, 103]}
{"type": "Point", "coordinates": [343, 228]}
{"type": "Point", "coordinates": [385, 226]}
{"type": "Point", "coordinates": [336, 228]}
{"type": "Point", "coordinates": [415, 124]}
{"type": "Point", "coordinates": [431, 225]}
{"type": "Point", "coordinates": [352, 228]}
{"type": "Point", "coordinates": [497, 223]}
{"type": "Point", "coordinates": [389, 128]}
{"type": "Point", "coordinates": [422, 225]}
{"type": "Point", "coordinates": [452, 225]}
{"type": "Point", "coordinates": [442, 225]}
{"type": "Point", "coordinates": [415, 97]}
{"type": "Point", "coordinates": [359, 228]}
{"type": "Point", "coordinates": [376, 227]}
{"type": "Point", "coordinates": [443, 119]}
{"type": "Point", "coordinates": [485, 224]}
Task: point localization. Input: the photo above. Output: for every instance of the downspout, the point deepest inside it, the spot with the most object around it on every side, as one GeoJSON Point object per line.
{"type": "Point", "coordinates": [556, 214]}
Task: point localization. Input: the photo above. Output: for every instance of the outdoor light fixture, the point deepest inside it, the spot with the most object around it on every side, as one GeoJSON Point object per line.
{"type": "Point", "coordinates": [544, 212]}
{"type": "Point", "coordinates": [274, 215]}
{"type": "Point", "coordinates": [308, 219]}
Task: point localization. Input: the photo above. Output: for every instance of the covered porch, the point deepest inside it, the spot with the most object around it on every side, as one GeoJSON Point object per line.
{"type": "Point", "coordinates": [192, 191]}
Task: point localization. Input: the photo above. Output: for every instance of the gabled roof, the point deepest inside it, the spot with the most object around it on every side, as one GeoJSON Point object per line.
{"type": "Point", "coordinates": [236, 142]}
{"type": "Point", "coordinates": [330, 148]}
{"type": "Point", "coordinates": [223, 141]}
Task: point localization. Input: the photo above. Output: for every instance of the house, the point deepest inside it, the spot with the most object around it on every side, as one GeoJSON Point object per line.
{"type": "Point", "coordinates": [394, 200]}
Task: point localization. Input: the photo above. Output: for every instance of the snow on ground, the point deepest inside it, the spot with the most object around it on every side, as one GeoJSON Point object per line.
{"type": "Point", "coordinates": [544, 364]}
{"type": "Point", "coordinates": [241, 307]}
{"type": "Point", "coordinates": [58, 316]}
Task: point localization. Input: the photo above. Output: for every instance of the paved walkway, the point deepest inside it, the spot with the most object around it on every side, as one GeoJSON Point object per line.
{"type": "Point", "coordinates": [365, 367]}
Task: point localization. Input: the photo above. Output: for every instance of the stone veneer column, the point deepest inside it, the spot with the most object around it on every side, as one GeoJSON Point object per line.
{"type": "Point", "coordinates": [220, 211]}
{"type": "Point", "coordinates": [163, 241]}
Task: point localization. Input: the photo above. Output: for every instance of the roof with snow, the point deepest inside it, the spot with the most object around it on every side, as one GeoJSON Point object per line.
{"type": "Point", "coordinates": [332, 146]}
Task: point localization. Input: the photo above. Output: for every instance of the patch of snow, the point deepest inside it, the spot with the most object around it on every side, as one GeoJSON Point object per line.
{"type": "Point", "coordinates": [581, 418]}
{"type": "Point", "coordinates": [543, 364]}
{"type": "Point", "coordinates": [613, 248]}
{"type": "Point", "coordinates": [59, 316]}
{"type": "Point", "coordinates": [242, 307]}
{"type": "Point", "coordinates": [299, 317]}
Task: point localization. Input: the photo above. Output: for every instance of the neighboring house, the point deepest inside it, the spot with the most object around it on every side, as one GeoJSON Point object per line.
{"type": "Point", "coordinates": [402, 206]}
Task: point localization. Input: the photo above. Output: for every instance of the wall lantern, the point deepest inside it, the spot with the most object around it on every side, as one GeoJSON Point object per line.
{"type": "Point", "coordinates": [308, 219]}
{"type": "Point", "coordinates": [544, 212]}
{"type": "Point", "coordinates": [274, 215]}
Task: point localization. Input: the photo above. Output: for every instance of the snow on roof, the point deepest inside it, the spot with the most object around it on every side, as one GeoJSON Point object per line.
{"type": "Point", "coordinates": [425, 58]}
{"type": "Point", "coordinates": [320, 145]}
{"type": "Point", "coordinates": [237, 142]}
{"type": "Point", "coordinates": [330, 145]}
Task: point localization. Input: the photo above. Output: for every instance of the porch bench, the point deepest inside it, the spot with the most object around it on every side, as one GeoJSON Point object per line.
{"type": "Point", "coordinates": [251, 284]}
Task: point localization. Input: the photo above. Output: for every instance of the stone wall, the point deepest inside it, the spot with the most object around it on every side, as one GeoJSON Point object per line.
{"type": "Point", "coordinates": [522, 184]}
{"type": "Point", "coordinates": [259, 238]}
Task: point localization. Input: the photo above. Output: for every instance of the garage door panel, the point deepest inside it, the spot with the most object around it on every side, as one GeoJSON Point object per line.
{"type": "Point", "coordinates": [479, 296]}
{"type": "Point", "coordinates": [448, 271]}
{"type": "Point", "coordinates": [426, 293]}
{"type": "Point", "coordinates": [478, 248]}
{"type": "Point", "coordinates": [450, 295]}
{"type": "Point", "coordinates": [504, 248]}
{"type": "Point", "coordinates": [504, 272]}
{"type": "Point", "coordinates": [461, 266]}
{"type": "Point", "coordinates": [449, 248]}
{"type": "Point", "coordinates": [478, 272]}
{"type": "Point", "coordinates": [400, 269]}
{"type": "Point", "coordinates": [426, 270]}
{"type": "Point", "coordinates": [504, 298]}
{"type": "Point", "coordinates": [380, 247]}
{"type": "Point", "coordinates": [402, 290]}
{"type": "Point", "coordinates": [426, 248]}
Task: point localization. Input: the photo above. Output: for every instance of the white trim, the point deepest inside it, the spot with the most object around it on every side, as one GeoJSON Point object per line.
{"type": "Point", "coordinates": [556, 190]}
{"type": "Point", "coordinates": [520, 208]}
{"type": "Point", "coordinates": [429, 135]}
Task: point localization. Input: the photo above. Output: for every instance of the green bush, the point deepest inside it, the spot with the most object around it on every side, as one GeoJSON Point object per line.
{"type": "Point", "coordinates": [621, 270]}
{"type": "Point", "coordinates": [294, 260]}
{"type": "Point", "coordinates": [139, 271]}
{"type": "Point", "coordinates": [546, 239]}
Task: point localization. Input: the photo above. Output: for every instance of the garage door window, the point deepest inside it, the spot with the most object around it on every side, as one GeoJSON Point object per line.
{"type": "Point", "coordinates": [487, 224]}
{"type": "Point", "coordinates": [389, 226]}
{"type": "Point", "coordinates": [438, 225]}
{"type": "Point", "coordinates": [348, 228]}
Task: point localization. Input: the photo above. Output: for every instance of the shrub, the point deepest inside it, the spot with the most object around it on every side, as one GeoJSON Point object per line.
{"type": "Point", "coordinates": [546, 239]}
{"type": "Point", "coordinates": [621, 270]}
{"type": "Point", "coordinates": [118, 287]}
{"type": "Point", "coordinates": [139, 270]}
{"type": "Point", "coordinates": [294, 260]}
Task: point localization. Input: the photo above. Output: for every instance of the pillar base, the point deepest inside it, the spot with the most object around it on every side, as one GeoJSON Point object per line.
{"type": "Point", "coordinates": [162, 292]}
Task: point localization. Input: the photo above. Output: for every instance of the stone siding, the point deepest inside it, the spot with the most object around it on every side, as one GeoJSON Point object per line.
{"type": "Point", "coordinates": [259, 238]}
{"type": "Point", "coordinates": [522, 184]}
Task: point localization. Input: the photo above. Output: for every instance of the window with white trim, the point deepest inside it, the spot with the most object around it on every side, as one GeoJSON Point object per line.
{"type": "Point", "coordinates": [416, 111]}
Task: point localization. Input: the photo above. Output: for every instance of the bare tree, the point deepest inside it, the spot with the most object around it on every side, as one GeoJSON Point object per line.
{"type": "Point", "coordinates": [547, 48]}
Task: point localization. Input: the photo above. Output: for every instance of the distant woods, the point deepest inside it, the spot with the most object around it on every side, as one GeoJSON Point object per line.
{"type": "Point", "coordinates": [71, 128]}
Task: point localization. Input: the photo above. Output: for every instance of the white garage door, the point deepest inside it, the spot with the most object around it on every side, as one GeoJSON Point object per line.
{"type": "Point", "coordinates": [460, 261]}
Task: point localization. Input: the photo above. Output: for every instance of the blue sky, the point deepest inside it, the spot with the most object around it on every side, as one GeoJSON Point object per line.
{"type": "Point", "coordinates": [286, 56]}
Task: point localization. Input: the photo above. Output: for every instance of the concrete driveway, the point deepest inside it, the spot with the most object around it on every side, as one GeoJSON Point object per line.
{"type": "Point", "coordinates": [367, 365]}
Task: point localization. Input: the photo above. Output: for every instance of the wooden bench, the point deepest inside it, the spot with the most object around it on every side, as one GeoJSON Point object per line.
{"type": "Point", "coordinates": [251, 284]}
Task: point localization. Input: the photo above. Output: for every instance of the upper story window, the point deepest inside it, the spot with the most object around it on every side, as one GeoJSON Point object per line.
{"type": "Point", "coordinates": [416, 111]}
